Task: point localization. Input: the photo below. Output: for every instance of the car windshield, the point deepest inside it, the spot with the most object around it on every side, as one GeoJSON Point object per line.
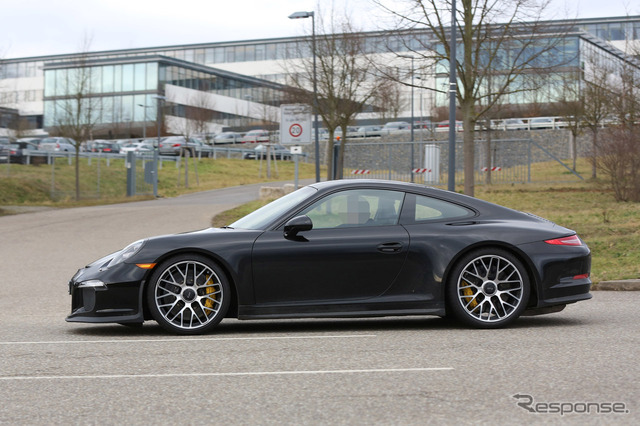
{"type": "Point", "coordinates": [262, 217]}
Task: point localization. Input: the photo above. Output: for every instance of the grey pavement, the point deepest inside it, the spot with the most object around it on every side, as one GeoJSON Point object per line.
{"type": "Point", "coordinates": [366, 371]}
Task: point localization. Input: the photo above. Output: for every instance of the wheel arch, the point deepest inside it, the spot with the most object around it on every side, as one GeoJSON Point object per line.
{"type": "Point", "coordinates": [530, 269]}
{"type": "Point", "coordinates": [232, 311]}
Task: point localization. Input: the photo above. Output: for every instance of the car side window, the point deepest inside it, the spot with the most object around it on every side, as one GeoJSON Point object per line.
{"type": "Point", "coordinates": [427, 208]}
{"type": "Point", "coordinates": [356, 208]}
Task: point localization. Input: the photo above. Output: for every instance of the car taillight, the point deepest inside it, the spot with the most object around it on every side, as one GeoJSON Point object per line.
{"type": "Point", "coordinates": [58, 145]}
{"type": "Point", "coordinates": [573, 240]}
{"type": "Point", "coordinates": [176, 145]}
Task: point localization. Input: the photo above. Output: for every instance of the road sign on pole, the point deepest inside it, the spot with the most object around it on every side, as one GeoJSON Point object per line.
{"type": "Point", "coordinates": [295, 124]}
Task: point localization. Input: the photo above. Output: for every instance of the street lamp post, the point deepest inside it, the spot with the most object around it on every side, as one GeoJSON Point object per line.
{"type": "Point", "coordinates": [412, 114]}
{"type": "Point", "coordinates": [451, 179]}
{"type": "Point", "coordinates": [156, 152]}
{"type": "Point", "coordinates": [144, 126]}
{"type": "Point", "coordinates": [302, 15]}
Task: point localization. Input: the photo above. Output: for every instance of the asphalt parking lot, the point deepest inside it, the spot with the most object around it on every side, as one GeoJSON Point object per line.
{"type": "Point", "coordinates": [578, 366]}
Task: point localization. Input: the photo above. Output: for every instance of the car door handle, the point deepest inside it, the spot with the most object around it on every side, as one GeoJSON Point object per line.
{"type": "Point", "coordinates": [390, 247]}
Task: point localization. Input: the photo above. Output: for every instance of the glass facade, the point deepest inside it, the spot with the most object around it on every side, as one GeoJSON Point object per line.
{"type": "Point", "coordinates": [124, 92]}
{"type": "Point", "coordinates": [111, 89]}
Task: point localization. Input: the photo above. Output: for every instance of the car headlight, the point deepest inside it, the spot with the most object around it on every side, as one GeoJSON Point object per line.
{"type": "Point", "coordinates": [126, 253]}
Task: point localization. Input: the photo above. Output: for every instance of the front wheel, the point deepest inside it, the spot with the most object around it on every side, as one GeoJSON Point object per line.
{"type": "Point", "coordinates": [188, 294]}
{"type": "Point", "coordinates": [488, 288]}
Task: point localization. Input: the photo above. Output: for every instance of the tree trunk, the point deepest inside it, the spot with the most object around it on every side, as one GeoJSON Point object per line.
{"type": "Point", "coordinates": [78, 172]}
{"type": "Point", "coordinates": [594, 153]}
{"type": "Point", "coordinates": [488, 162]}
{"type": "Point", "coordinates": [330, 154]}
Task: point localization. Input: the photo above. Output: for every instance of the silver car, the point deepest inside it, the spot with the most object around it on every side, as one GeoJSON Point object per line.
{"type": "Point", "coordinates": [57, 144]}
{"type": "Point", "coordinates": [178, 145]}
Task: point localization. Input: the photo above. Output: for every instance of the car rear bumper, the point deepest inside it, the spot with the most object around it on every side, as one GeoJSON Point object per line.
{"type": "Point", "coordinates": [564, 273]}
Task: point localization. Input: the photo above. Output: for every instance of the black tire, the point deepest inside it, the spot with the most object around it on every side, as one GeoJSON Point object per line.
{"type": "Point", "coordinates": [188, 294]}
{"type": "Point", "coordinates": [488, 288]}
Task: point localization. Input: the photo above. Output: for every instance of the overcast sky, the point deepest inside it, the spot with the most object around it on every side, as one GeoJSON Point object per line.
{"type": "Point", "coordinates": [49, 27]}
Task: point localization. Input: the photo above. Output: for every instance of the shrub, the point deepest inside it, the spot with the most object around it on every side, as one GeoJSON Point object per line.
{"type": "Point", "coordinates": [619, 160]}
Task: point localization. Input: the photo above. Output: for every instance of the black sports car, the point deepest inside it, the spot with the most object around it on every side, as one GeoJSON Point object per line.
{"type": "Point", "coordinates": [343, 249]}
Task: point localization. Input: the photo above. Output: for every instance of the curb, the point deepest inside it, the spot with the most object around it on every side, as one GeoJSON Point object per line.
{"type": "Point", "coordinates": [617, 285]}
{"type": "Point", "coordinates": [24, 209]}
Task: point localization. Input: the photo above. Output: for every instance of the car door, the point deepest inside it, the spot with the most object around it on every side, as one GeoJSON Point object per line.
{"type": "Point", "coordinates": [355, 251]}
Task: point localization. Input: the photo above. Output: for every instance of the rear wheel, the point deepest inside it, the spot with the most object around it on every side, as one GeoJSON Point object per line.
{"type": "Point", "coordinates": [188, 294]}
{"type": "Point", "coordinates": [488, 288]}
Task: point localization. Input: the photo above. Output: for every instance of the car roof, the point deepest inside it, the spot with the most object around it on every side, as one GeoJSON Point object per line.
{"type": "Point", "coordinates": [482, 206]}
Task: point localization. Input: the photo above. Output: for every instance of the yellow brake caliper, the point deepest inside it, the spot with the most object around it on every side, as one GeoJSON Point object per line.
{"type": "Point", "coordinates": [468, 292]}
{"type": "Point", "coordinates": [208, 303]}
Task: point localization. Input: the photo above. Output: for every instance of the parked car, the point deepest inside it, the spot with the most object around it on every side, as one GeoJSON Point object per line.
{"type": "Point", "coordinates": [6, 140]}
{"type": "Point", "coordinates": [541, 123]}
{"type": "Point", "coordinates": [107, 147]}
{"type": "Point", "coordinates": [18, 153]}
{"type": "Point", "coordinates": [443, 126]}
{"type": "Point", "coordinates": [178, 145]}
{"type": "Point", "coordinates": [58, 144]}
{"type": "Point", "coordinates": [423, 125]}
{"type": "Point", "coordinates": [343, 248]}
{"type": "Point", "coordinates": [395, 126]}
{"type": "Point", "coordinates": [137, 147]}
{"type": "Point", "coordinates": [35, 141]}
{"type": "Point", "coordinates": [260, 151]}
{"type": "Point", "coordinates": [514, 124]}
{"type": "Point", "coordinates": [369, 131]}
{"type": "Point", "coordinates": [256, 136]}
{"type": "Point", "coordinates": [227, 137]}
{"type": "Point", "coordinates": [4, 152]}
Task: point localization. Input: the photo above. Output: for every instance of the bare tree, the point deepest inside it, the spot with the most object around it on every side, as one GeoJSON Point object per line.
{"type": "Point", "coordinates": [344, 83]}
{"type": "Point", "coordinates": [500, 41]}
{"type": "Point", "coordinates": [201, 112]}
{"type": "Point", "coordinates": [595, 94]}
{"type": "Point", "coordinates": [571, 109]}
{"type": "Point", "coordinates": [77, 111]}
{"type": "Point", "coordinates": [388, 99]}
{"type": "Point", "coordinates": [619, 158]}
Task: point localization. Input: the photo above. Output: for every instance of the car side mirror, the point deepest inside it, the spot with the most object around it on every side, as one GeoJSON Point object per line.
{"type": "Point", "coordinates": [297, 224]}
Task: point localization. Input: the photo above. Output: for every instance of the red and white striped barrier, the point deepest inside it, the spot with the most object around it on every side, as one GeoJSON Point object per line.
{"type": "Point", "coordinates": [360, 172]}
{"type": "Point", "coordinates": [420, 171]}
{"type": "Point", "coordinates": [493, 169]}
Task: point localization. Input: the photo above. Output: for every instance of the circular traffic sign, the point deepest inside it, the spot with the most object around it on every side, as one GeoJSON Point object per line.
{"type": "Point", "coordinates": [295, 130]}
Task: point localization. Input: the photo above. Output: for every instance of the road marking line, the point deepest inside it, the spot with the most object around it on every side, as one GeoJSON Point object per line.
{"type": "Point", "coordinates": [203, 339]}
{"type": "Point", "coordinates": [248, 373]}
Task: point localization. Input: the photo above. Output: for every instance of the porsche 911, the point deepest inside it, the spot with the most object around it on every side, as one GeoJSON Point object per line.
{"type": "Point", "coordinates": [347, 248]}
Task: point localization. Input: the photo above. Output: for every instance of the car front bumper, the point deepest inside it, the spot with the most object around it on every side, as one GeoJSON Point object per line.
{"type": "Point", "coordinates": [101, 295]}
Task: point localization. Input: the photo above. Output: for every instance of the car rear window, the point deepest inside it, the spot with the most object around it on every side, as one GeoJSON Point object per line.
{"type": "Point", "coordinates": [427, 209]}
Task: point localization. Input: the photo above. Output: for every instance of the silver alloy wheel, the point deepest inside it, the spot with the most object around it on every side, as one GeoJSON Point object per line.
{"type": "Point", "coordinates": [188, 294]}
{"type": "Point", "coordinates": [490, 288]}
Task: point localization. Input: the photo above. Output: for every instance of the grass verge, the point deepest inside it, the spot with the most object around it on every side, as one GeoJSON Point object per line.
{"type": "Point", "coordinates": [105, 182]}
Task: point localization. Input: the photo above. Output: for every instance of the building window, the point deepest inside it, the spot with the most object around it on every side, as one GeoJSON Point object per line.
{"type": "Point", "coordinates": [152, 76]}
{"type": "Point", "coordinates": [140, 74]}
{"type": "Point", "coordinates": [208, 56]}
{"type": "Point", "coordinates": [218, 56]}
{"type": "Point", "coordinates": [107, 79]}
{"type": "Point", "coordinates": [117, 78]}
{"type": "Point", "coordinates": [260, 49]}
{"type": "Point", "coordinates": [127, 77]}
{"type": "Point", "coordinates": [230, 54]}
